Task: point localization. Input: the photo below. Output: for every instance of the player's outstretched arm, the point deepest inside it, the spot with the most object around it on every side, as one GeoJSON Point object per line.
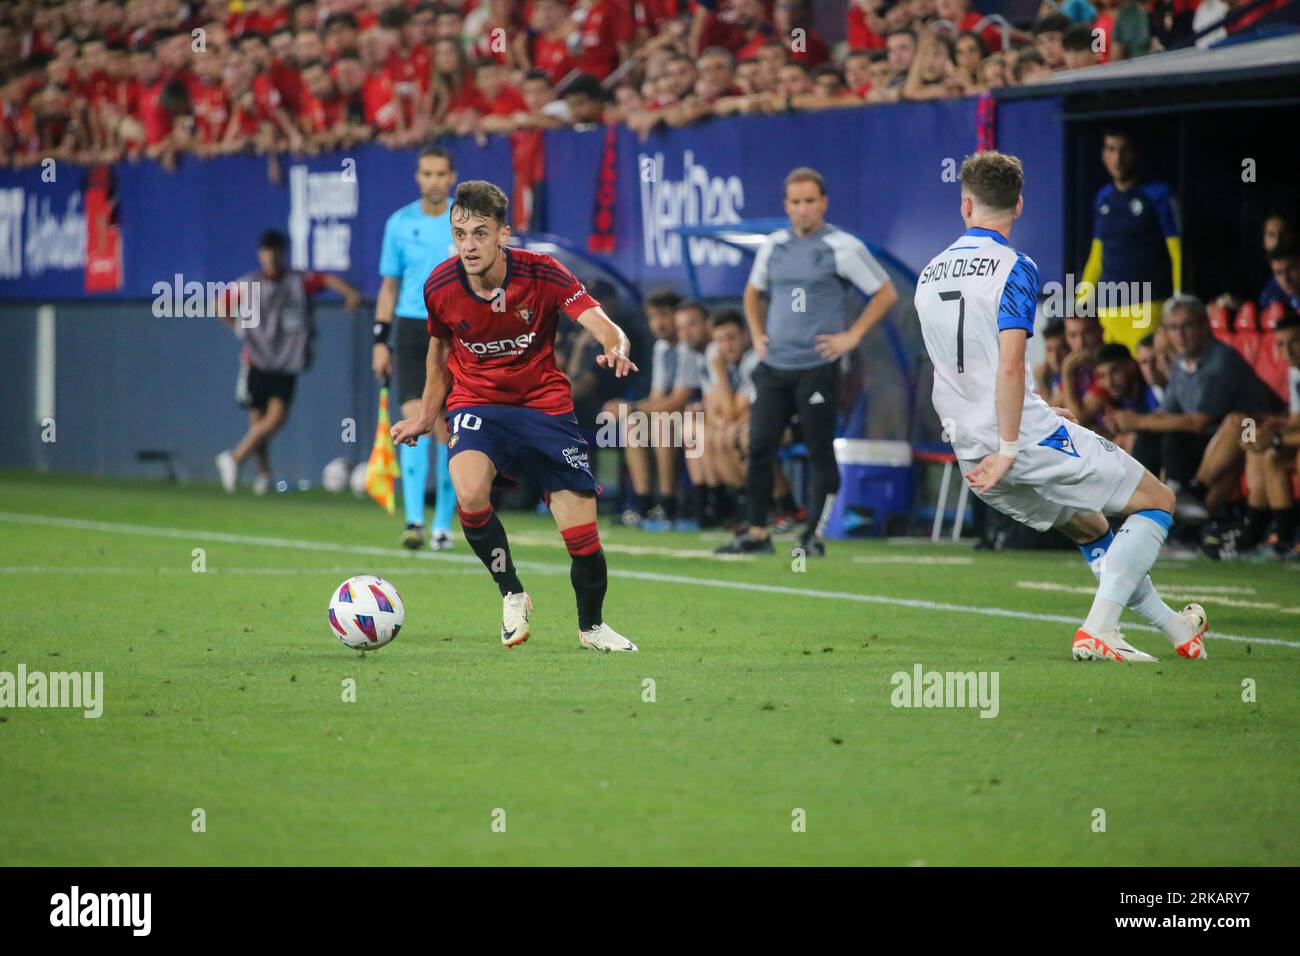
{"type": "Point", "coordinates": [1009, 395]}
{"type": "Point", "coordinates": [611, 338]}
{"type": "Point", "coordinates": [409, 430]}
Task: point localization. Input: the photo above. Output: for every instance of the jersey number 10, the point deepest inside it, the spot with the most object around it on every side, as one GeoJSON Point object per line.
{"type": "Point", "coordinates": [961, 326]}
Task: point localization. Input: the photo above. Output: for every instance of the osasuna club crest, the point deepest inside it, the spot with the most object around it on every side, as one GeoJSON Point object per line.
{"type": "Point", "coordinates": [526, 315]}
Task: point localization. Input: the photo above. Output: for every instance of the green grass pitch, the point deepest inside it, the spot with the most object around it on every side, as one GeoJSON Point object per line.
{"type": "Point", "coordinates": [772, 701]}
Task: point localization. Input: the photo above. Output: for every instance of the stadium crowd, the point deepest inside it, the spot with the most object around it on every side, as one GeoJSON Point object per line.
{"type": "Point", "coordinates": [100, 80]}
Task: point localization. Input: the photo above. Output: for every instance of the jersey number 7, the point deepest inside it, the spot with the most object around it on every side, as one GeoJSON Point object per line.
{"type": "Point", "coordinates": [961, 326]}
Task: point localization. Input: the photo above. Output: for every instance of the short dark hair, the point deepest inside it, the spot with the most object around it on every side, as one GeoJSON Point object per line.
{"type": "Point", "coordinates": [1077, 37]}
{"type": "Point", "coordinates": [1147, 341]}
{"type": "Point", "coordinates": [438, 152]}
{"type": "Point", "coordinates": [477, 197]}
{"type": "Point", "coordinates": [994, 179]}
{"type": "Point", "coordinates": [695, 304]}
{"type": "Point", "coordinates": [1052, 23]}
{"type": "Point", "coordinates": [1055, 329]}
{"type": "Point", "coordinates": [584, 84]}
{"type": "Point", "coordinates": [274, 240]}
{"type": "Point", "coordinates": [1284, 250]}
{"type": "Point", "coordinates": [1112, 352]}
{"type": "Point", "coordinates": [804, 174]}
{"type": "Point", "coordinates": [726, 317]}
{"type": "Point", "coordinates": [662, 299]}
{"type": "Point", "coordinates": [343, 17]}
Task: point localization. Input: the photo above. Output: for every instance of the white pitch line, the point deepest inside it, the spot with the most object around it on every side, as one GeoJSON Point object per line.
{"type": "Point", "coordinates": [545, 567]}
{"type": "Point", "coordinates": [36, 569]}
{"type": "Point", "coordinates": [1180, 592]}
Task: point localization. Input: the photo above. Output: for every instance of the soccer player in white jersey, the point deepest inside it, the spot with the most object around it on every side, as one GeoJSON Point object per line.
{"type": "Point", "coordinates": [1028, 460]}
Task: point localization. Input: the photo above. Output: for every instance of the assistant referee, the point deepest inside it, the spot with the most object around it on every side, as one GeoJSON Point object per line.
{"type": "Point", "coordinates": [417, 238]}
{"type": "Point", "coordinates": [795, 306]}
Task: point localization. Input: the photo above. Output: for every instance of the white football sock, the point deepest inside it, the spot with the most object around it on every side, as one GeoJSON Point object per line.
{"type": "Point", "coordinates": [1147, 603]}
{"type": "Point", "coordinates": [1123, 574]}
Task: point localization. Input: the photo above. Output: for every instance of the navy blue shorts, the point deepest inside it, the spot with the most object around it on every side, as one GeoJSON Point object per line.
{"type": "Point", "coordinates": [524, 445]}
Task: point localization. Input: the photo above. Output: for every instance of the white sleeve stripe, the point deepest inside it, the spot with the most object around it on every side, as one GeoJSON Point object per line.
{"type": "Point", "coordinates": [855, 263]}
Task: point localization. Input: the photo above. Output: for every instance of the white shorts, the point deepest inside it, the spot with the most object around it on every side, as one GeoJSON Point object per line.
{"type": "Point", "coordinates": [1078, 471]}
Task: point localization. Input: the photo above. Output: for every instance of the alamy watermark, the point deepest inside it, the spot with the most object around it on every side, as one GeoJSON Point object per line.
{"type": "Point", "coordinates": [238, 299]}
{"type": "Point", "coordinates": [1087, 300]}
{"type": "Point", "coordinates": [637, 429]}
{"type": "Point", "coordinates": [82, 690]}
{"type": "Point", "coordinates": [938, 689]}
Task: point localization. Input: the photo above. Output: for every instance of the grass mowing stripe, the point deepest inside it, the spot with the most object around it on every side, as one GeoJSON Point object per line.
{"type": "Point", "coordinates": [551, 568]}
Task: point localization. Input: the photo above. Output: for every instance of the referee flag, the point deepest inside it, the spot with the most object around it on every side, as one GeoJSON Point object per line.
{"type": "Point", "coordinates": [382, 468]}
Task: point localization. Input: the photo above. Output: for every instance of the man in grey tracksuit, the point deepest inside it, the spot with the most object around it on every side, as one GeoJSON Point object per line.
{"type": "Point", "coordinates": [795, 306]}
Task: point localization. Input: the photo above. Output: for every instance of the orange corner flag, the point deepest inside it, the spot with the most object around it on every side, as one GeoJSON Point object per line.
{"type": "Point", "coordinates": [382, 468]}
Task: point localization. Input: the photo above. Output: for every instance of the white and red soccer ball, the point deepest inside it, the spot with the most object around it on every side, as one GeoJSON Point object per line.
{"type": "Point", "coordinates": [366, 612]}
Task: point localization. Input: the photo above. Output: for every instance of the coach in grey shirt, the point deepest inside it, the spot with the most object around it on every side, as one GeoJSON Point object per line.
{"type": "Point", "coordinates": [795, 304]}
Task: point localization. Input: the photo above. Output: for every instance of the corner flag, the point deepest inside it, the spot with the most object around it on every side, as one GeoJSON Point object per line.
{"type": "Point", "coordinates": [382, 468]}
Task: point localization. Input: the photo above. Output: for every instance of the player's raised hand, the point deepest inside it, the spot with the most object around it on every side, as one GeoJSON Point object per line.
{"type": "Point", "coordinates": [1066, 414]}
{"type": "Point", "coordinates": [616, 359]}
{"type": "Point", "coordinates": [408, 431]}
{"type": "Point", "coordinates": [989, 471]}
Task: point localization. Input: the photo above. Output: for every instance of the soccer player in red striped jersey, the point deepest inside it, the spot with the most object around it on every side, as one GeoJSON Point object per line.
{"type": "Point", "coordinates": [493, 313]}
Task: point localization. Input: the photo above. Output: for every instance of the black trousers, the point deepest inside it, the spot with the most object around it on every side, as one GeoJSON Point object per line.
{"type": "Point", "coordinates": [780, 394]}
{"type": "Point", "coordinates": [1182, 453]}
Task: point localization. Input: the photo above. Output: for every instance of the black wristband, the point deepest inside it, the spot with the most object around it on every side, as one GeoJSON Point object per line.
{"type": "Point", "coordinates": [384, 333]}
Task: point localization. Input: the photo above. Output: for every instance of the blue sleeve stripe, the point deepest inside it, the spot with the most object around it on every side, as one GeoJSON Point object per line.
{"type": "Point", "coordinates": [1019, 296]}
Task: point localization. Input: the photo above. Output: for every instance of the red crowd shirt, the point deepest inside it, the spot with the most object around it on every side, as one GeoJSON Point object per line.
{"type": "Point", "coordinates": [506, 356]}
{"type": "Point", "coordinates": [211, 111]}
{"type": "Point", "coordinates": [860, 34]}
{"type": "Point", "coordinates": [552, 55]}
{"type": "Point", "coordinates": [377, 101]}
{"type": "Point", "coordinates": [991, 34]}
{"type": "Point", "coordinates": [606, 26]}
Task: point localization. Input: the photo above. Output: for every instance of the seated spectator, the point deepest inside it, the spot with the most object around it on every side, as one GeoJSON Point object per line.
{"type": "Point", "coordinates": [585, 98]}
{"type": "Point", "coordinates": [667, 395]}
{"type": "Point", "coordinates": [1271, 460]}
{"type": "Point", "coordinates": [792, 22]}
{"type": "Point", "coordinates": [1118, 385]}
{"type": "Point", "coordinates": [1284, 261]}
{"type": "Point", "coordinates": [1083, 337]}
{"type": "Point", "coordinates": [1048, 33]}
{"type": "Point", "coordinates": [1030, 68]}
{"type": "Point", "coordinates": [1154, 356]}
{"type": "Point", "coordinates": [993, 72]}
{"type": "Point", "coordinates": [693, 338]}
{"type": "Point", "coordinates": [969, 51]}
{"type": "Point", "coordinates": [1047, 376]}
{"type": "Point", "coordinates": [1278, 229]}
{"type": "Point", "coordinates": [729, 390]}
{"type": "Point", "coordinates": [933, 74]}
{"type": "Point", "coordinates": [1208, 381]}
{"type": "Point", "coordinates": [544, 44]}
{"type": "Point", "coordinates": [857, 72]}
{"type": "Point", "coordinates": [1077, 45]}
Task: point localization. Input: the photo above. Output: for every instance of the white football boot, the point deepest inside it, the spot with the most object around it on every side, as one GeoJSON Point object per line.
{"type": "Point", "coordinates": [261, 484]}
{"type": "Point", "coordinates": [1194, 649]}
{"type": "Point", "coordinates": [514, 619]}
{"type": "Point", "coordinates": [602, 637]}
{"type": "Point", "coordinates": [1110, 646]}
{"type": "Point", "coordinates": [229, 472]}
